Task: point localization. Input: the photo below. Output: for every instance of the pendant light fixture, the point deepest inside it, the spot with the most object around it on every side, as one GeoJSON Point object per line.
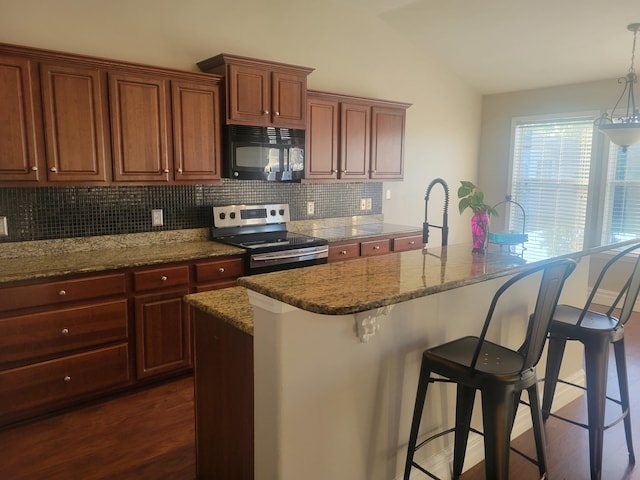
{"type": "Point", "coordinates": [624, 129]}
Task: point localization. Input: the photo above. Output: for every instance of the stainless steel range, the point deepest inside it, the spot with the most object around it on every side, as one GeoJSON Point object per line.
{"type": "Point", "coordinates": [262, 231]}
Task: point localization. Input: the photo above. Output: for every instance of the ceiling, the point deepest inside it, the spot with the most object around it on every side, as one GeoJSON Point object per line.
{"type": "Point", "coordinates": [500, 46]}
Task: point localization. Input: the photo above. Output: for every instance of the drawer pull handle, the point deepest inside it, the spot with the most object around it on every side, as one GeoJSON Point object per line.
{"type": "Point", "coordinates": [163, 278]}
{"type": "Point", "coordinates": [221, 270]}
{"type": "Point", "coordinates": [62, 293]}
{"type": "Point", "coordinates": [65, 331]}
{"type": "Point", "coordinates": [376, 247]}
{"type": "Point", "coordinates": [67, 379]}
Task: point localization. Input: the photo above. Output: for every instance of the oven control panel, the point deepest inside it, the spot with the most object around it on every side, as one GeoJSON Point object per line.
{"type": "Point", "coordinates": [243, 215]}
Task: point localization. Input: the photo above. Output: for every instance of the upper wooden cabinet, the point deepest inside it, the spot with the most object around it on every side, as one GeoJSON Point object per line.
{"type": "Point", "coordinates": [71, 119]}
{"type": "Point", "coordinates": [197, 131]}
{"type": "Point", "coordinates": [21, 134]}
{"type": "Point", "coordinates": [352, 138]}
{"type": "Point", "coordinates": [261, 93]}
{"type": "Point", "coordinates": [74, 101]}
{"type": "Point", "coordinates": [139, 125]}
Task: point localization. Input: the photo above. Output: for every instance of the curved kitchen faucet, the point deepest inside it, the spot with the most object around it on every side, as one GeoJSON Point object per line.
{"type": "Point", "coordinates": [445, 214]}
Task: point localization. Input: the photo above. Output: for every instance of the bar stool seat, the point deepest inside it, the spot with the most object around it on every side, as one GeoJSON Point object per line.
{"type": "Point", "coordinates": [499, 372]}
{"type": "Point", "coordinates": [597, 332]}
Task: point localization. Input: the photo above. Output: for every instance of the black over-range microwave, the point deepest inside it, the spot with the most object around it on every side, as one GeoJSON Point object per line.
{"type": "Point", "coordinates": [264, 153]}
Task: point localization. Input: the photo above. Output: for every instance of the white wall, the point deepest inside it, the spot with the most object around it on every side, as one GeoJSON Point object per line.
{"type": "Point", "coordinates": [498, 111]}
{"type": "Point", "coordinates": [353, 53]}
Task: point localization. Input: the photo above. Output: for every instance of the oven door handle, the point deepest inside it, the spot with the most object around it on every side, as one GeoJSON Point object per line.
{"type": "Point", "coordinates": [284, 256]}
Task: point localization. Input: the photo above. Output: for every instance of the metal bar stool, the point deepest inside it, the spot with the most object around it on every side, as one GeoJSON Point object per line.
{"type": "Point", "coordinates": [500, 373]}
{"type": "Point", "coordinates": [596, 331]}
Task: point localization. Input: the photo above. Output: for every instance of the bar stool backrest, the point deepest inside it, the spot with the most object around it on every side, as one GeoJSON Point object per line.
{"type": "Point", "coordinates": [629, 292]}
{"type": "Point", "coordinates": [553, 276]}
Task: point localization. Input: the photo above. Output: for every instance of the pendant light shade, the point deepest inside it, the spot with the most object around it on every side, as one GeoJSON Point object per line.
{"type": "Point", "coordinates": [623, 128]}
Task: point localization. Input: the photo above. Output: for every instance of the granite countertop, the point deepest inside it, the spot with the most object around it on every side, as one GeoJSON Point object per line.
{"type": "Point", "coordinates": [51, 258]}
{"type": "Point", "coordinates": [109, 258]}
{"type": "Point", "coordinates": [363, 284]}
{"type": "Point", "coordinates": [229, 304]}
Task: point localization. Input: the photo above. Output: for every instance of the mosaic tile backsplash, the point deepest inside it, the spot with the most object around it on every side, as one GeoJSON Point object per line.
{"type": "Point", "coordinates": [67, 212]}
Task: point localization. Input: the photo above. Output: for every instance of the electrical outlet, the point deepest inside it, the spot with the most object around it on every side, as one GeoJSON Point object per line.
{"type": "Point", "coordinates": [368, 204]}
{"type": "Point", "coordinates": [363, 204]}
{"type": "Point", "coordinates": [157, 218]}
{"type": "Point", "coordinates": [4, 231]}
{"type": "Point", "coordinates": [310, 208]}
{"type": "Point", "coordinates": [387, 194]}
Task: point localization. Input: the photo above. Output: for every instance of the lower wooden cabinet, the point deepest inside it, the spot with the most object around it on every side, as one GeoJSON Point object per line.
{"type": "Point", "coordinates": [44, 386]}
{"type": "Point", "coordinates": [349, 249]}
{"type": "Point", "coordinates": [163, 333]}
{"type": "Point", "coordinates": [75, 338]}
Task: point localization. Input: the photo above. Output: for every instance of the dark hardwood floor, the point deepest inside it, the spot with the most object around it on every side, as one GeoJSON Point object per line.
{"type": "Point", "coordinates": [149, 434]}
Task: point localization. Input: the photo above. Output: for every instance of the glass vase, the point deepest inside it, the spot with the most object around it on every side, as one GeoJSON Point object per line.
{"type": "Point", "coordinates": [479, 231]}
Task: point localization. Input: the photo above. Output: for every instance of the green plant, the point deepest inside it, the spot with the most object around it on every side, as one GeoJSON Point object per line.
{"type": "Point", "coordinates": [472, 198]}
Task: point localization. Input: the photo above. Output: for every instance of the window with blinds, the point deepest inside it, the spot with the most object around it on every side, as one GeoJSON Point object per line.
{"type": "Point", "coordinates": [550, 179]}
{"type": "Point", "coordinates": [622, 199]}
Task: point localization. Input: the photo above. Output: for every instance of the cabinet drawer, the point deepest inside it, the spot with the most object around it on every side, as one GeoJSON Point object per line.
{"type": "Point", "coordinates": [52, 293]}
{"type": "Point", "coordinates": [56, 382]}
{"type": "Point", "coordinates": [219, 270]}
{"type": "Point", "coordinates": [47, 333]}
{"type": "Point", "coordinates": [344, 252]}
{"type": "Point", "coordinates": [375, 247]}
{"type": "Point", "coordinates": [411, 242]}
{"type": "Point", "coordinates": [161, 278]}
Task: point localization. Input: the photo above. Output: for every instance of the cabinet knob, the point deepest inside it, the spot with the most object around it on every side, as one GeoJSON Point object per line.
{"type": "Point", "coordinates": [65, 331]}
{"type": "Point", "coordinates": [163, 278]}
{"type": "Point", "coordinates": [277, 114]}
{"type": "Point", "coordinates": [266, 112]}
{"type": "Point", "coordinates": [334, 171]}
{"type": "Point", "coordinates": [34, 168]}
{"type": "Point", "coordinates": [180, 170]}
{"type": "Point", "coordinates": [166, 170]}
{"type": "Point", "coordinates": [412, 242]}
{"type": "Point", "coordinates": [67, 379]}
{"type": "Point", "coordinates": [343, 252]}
{"type": "Point", "coordinates": [344, 171]}
{"type": "Point", "coordinates": [62, 293]}
{"type": "Point", "coordinates": [221, 270]}
{"type": "Point", "coordinates": [376, 247]}
{"type": "Point", "coordinates": [53, 169]}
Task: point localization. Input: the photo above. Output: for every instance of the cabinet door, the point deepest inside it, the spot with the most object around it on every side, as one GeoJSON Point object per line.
{"type": "Point", "coordinates": [139, 123]}
{"type": "Point", "coordinates": [355, 126]}
{"type": "Point", "coordinates": [21, 142]}
{"type": "Point", "coordinates": [288, 98]}
{"type": "Point", "coordinates": [163, 333]}
{"type": "Point", "coordinates": [75, 118]}
{"type": "Point", "coordinates": [197, 135]}
{"type": "Point", "coordinates": [321, 156]}
{"type": "Point", "coordinates": [387, 143]}
{"type": "Point", "coordinates": [248, 96]}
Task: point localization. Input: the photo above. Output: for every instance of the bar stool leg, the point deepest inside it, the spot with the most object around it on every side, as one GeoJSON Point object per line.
{"type": "Point", "coordinates": [538, 430]}
{"type": "Point", "coordinates": [552, 371]}
{"type": "Point", "coordinates": [596, 364]}
{"type": "Point", "coordinates": [421, 394]}
{"type": "Point", "coordinates": [623, 383]}
{"type": "Point", "coordinates": [498, 405]}
{"type": "Point", "coordinates": [464, 410]}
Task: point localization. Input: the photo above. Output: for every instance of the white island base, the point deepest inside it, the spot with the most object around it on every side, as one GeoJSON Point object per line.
{"type": "Point", "coordinates": [335, 402]}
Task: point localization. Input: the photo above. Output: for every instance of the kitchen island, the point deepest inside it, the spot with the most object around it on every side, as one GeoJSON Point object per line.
{"type": "Point", "coordinates": [337, 349]}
